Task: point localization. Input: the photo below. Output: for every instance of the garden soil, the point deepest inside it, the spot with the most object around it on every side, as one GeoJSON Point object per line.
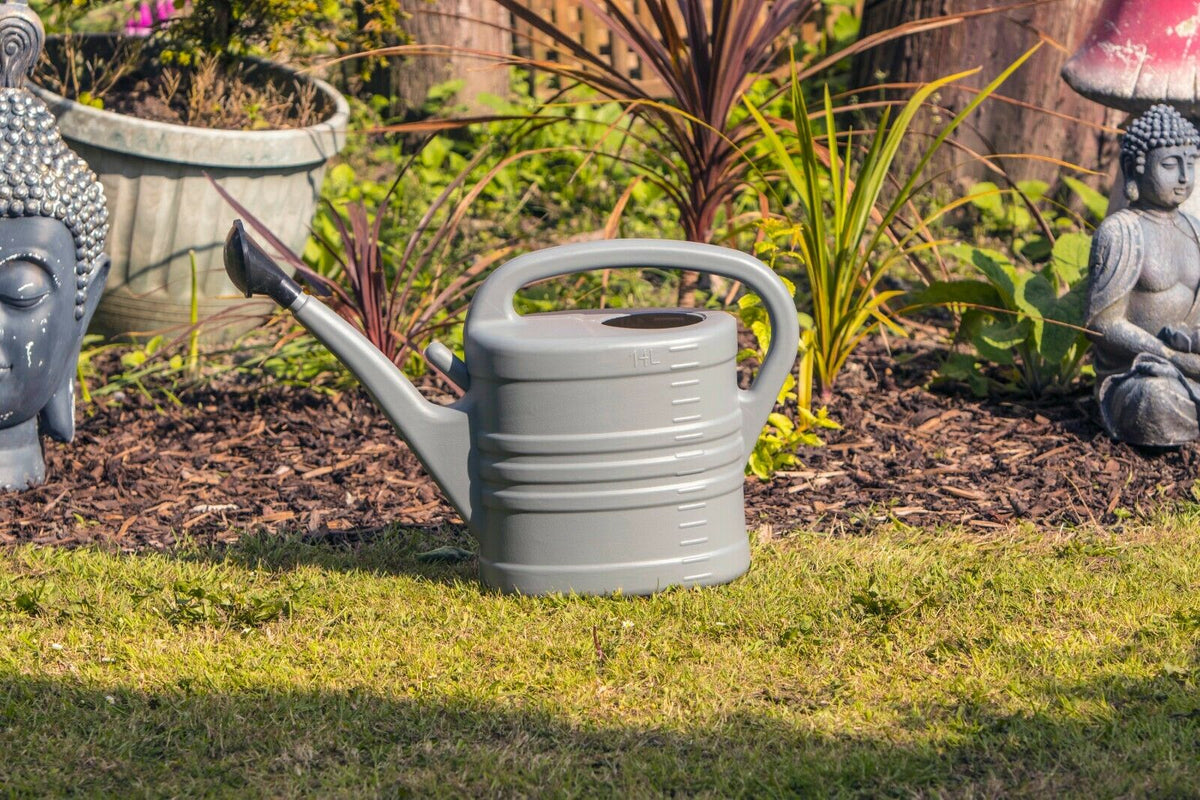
{"type": "Point", "coordinates": [243, 456]}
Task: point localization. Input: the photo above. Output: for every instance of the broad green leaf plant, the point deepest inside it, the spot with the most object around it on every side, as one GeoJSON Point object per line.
{"type": "Point", "coordinates": [842, 240]}
{"type": "Point", "coordinates": [1030, 322]}
{"type": "Point", "coordinates": [1024, 312]}
{"type": "Point", "coordinates": [1029, 218]}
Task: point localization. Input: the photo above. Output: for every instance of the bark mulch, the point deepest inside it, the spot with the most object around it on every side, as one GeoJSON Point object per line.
{"type": "Point", "coordinates": [234, 458]}
{"type": "Point", "coordinates": [943, 457]}
{"type": "Point", "coordinates": [243, 456]}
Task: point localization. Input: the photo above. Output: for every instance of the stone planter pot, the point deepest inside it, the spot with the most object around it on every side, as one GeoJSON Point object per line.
{"type": "Point", "coordinates": [162, 206]}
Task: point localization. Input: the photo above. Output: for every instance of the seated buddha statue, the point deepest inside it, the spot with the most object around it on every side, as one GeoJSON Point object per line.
{"type": "Point", "coordinates": [53, 222]}
{"type": "Point", "coordinates": [1143, 304]}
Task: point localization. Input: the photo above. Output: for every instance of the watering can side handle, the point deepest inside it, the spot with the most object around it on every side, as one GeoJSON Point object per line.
{"type": "Point", "coordinates": [494, 299]}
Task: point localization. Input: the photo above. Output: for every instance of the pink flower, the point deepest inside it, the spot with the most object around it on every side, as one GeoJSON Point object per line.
{"type": "Point", "coordinates": [147, 15]}
{"type": "Point", "coordinates": [141, 22]}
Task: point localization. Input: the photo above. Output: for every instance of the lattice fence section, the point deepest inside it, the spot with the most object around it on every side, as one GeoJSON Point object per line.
{"type": "Point", "coordinates": [570, 16]}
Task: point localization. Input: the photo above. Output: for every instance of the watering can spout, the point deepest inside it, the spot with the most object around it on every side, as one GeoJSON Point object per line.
{"type": "Point", "coordinates": [438, 435]}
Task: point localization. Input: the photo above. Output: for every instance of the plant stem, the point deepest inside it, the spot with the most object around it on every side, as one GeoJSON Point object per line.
{"type": "Point", "coordinates": [194, 319]}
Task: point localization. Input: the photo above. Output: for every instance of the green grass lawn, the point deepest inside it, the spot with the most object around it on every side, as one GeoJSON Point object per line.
{"type": "Point", "coordinates": [905, 663]}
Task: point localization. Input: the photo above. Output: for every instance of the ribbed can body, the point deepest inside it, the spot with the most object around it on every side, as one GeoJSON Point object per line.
{"type": "Point", "coordinates": [608, 458]}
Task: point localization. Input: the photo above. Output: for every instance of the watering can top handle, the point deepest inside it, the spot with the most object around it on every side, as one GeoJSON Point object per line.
{"type": "Point", "coordinates": [494, 299]}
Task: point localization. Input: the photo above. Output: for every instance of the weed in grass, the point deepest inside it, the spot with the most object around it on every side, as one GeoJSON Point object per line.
{"type": "Point", "coordinates": [190, 603]}
{"type": "Point", "coordinates": [873, 601]}
{"type": "Point", "coordinates": [30, 601]}
{"type": "Point", "coordinates": [1086, 548]}
{"type": "Point", "coordinates": [1189, 619]}
{"type": "Point", "coordinates": [793, 633]}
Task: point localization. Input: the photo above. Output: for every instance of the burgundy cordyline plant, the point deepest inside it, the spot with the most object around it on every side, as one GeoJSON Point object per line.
{"type": "Point", "coordinates": [383, 301]}
{"type": "Point", "coordinates": [707, 55]}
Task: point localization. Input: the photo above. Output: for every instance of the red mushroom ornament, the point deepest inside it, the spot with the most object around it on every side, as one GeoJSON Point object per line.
{"type": "Point", "coordinates": [1139, 53]}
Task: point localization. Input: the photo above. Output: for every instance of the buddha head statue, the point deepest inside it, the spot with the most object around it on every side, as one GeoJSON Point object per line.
{"type": "Point", "coordinates": [1158, 157]}
{"type": "Point", "coordinates": [53, 223]}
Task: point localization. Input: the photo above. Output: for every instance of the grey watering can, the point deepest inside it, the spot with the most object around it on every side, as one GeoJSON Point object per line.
{"type": "Point", "coordinates": [592, 451]}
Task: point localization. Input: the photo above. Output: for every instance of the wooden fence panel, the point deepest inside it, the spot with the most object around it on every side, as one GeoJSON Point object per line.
{"type": "Point", "coordinates": [570, 16]}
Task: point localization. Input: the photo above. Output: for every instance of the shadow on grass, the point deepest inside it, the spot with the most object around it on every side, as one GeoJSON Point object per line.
{"type": "Point", "coordinates": [390, 550]}
{"type": "Point", "coordinates": [61, 738]}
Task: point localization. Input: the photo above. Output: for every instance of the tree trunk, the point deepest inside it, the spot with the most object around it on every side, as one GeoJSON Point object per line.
{"type": "Point", "coordinates": [468, 24]}
{"type": "Point", "coordinates": [994, 42]}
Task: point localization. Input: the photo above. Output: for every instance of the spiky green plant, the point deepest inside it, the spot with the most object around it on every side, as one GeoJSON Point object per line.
{"type": "Point", "coordinates": [841, 239]}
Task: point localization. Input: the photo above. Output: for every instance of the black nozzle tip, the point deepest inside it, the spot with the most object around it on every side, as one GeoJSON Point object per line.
{"type": "Point", "coordinates": [235, 257]}
{"type": "Point", "coordinates": [254, 272]}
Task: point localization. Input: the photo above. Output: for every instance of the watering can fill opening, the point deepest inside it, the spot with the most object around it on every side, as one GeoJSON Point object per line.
{"type": "Point", "coordinates": [655, 320]}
